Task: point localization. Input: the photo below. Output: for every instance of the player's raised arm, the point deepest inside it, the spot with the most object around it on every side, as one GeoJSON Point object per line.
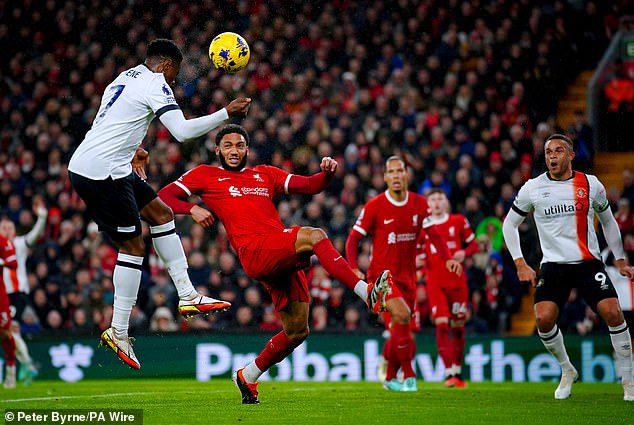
{"type": "Point", "coordinates": [183, 129]}
{"type": "Point", "coordinates": [314, 184]}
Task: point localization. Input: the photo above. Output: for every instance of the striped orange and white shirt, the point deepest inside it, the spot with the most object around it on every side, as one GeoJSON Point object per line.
{"type": "Point", "coordinates": [564, 214]}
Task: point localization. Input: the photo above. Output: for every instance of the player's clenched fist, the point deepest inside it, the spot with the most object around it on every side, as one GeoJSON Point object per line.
{"type": "Point", "coordinates": [328, 164]}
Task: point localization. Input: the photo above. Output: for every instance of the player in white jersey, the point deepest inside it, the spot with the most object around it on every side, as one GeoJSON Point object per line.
{"type": "Point", "coordinates": [564, 203]}
{"type": "Point", "coordinates": [17, 285]}
{"type": "Point", "coordinates": [107, 171]}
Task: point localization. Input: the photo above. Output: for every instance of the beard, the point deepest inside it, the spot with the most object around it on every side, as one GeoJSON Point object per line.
{"type": "Point", "coordinates": [228, 167]}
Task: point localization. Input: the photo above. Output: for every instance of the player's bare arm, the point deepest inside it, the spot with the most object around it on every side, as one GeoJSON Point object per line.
{"type": "Point", "coordinates": [239, 107]}
{"type": "Point", "coordinates": [140, 160]}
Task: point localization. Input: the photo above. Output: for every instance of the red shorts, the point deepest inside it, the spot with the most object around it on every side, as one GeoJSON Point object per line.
{"type": "Point", "coordinates": [448, 299]}
{"type": "Point", "coordinates": [5, 308]}
{"type": "Point", "coordinates": [409, 296]}
{"type": "Point", "coordinates": [273, 261]}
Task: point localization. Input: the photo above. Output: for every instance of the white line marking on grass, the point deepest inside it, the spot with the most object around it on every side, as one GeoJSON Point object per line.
{"type": "Point", "coordinates": [79, 396]}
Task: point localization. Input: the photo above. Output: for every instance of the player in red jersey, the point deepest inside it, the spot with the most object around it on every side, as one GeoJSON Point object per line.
{"type": "Point", "coordinates": [242, 198]}
{"type": "Point", "coordinates": [8, 260]}
{"type": "Point", "coordinates": [393, 220]}
{"type": "Point", "coordinates": [448, 293]}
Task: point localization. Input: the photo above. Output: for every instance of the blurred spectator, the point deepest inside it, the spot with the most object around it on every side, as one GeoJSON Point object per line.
{"type": "Point", "coordinates": [618, 95]}
{"type": "Point", "coordinates": [163, 321]}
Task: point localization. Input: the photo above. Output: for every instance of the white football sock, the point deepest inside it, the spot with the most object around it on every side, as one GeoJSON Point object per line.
{"type": "Point", "coordinates": [169, 247]}
{"type": "Point", "coordinates": [21, 350]}
{"type": "Point", "coordinates": [554, 343]}
{"type": "Point", "coordinates": [126, 279]}
{"type": "Point", "coordinates": [622, 344]}
{"type": "Point", "coordinates": [361, 289]}
{"type": "Point", "coordinates": [251, 372]}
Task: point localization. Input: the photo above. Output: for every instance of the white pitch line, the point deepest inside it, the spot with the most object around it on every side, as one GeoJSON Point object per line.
{"type": "Point", "coordinates": [67, 397]}
{"type": "Point", "coordinates": [78, 396]}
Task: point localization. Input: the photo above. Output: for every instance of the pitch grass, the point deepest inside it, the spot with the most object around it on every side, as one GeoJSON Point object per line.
{"type": "Point", "coordinates": [185, 401]}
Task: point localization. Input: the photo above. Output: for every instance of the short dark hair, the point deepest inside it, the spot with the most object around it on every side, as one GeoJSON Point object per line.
{"type": "Point", "coordinates": [232, 128]}
{"type": "Point", "coordinates": [164, 48]}
{"type": "Point", "coordinates": [559, 136]}
{"type": "Point", "coordinates": [394, 158]}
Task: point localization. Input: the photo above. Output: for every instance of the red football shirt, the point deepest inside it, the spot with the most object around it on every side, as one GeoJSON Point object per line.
{"type": "Point", "coordinates": [225, 192]}
{"type": "Point", "coordinates": [454, 229]}
{"type": "Point", "coordinates": [394, 227]}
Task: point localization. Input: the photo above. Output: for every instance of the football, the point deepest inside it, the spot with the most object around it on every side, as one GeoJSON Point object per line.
{"type": "Point", "coordinates": [229, 52]}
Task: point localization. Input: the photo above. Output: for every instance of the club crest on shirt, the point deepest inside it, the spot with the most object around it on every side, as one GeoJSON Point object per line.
{"type": "Point", "coordinates": [258, 178]}
{"type": "Point", "coordinates": [581, 193]}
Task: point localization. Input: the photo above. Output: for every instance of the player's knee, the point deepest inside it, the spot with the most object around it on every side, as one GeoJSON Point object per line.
{"type": "Point", "coordinates": [613, 317]}
{"type": "Point", "coordinates": [164, 215]}
{"type": "Point", "coordinates": [401, 315]}
{"type": "Point", "coordinates": [134, 246]}
{"type": "Point", "coordinates": [544, 322]}
{"type": "Point", "coordinates": [298, 335]}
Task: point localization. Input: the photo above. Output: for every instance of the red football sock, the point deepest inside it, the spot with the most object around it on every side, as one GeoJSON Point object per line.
{"type": "Point", "coordinates": [442, 342]}
{"type": "Point", "coordinates": [9, 350]}
{"type": "Point", "coordinates": [457, 343]}
{"type": "Point", "coordinates": [393, 363]}
{"type": "Point", "coordinates": [402, 345]}
{"type": "Point", "coordinates": [276, 350]}
{"type": "Point", "coordinates": [335, 264]}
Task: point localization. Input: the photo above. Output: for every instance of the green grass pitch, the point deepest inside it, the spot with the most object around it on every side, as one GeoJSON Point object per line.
{"type": "Point", "coordinates": [183, 401]}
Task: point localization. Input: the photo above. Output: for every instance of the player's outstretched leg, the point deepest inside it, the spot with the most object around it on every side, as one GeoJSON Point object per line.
{"type": "Point", "coordinates": [170, 249]}
{"type": "Point", "coordinates": [122, 347]}
{"type": "Point", "coordinates": [201, 304]}
{"type": "Point", "coordinates": [372, 293]}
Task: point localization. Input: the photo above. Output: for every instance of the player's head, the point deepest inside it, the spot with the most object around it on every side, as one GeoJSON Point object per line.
{"type": "Point", "coordinates": [438, 201]}
{"type": "Point", "coordinates": [559, 152]}
{"type": "Point", "coordinates": [164, 56]}
{"type": "Point", "coordinates": [395, 175]}
{"type": "Point", "coordinates": [232, 147]}
{"type": "Point", "coordinates": [7, 228]}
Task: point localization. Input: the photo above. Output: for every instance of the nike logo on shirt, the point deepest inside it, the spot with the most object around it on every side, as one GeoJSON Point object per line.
{"type": "Point", "coordinates": [220, 179]}
{"type": "Point", "coordinates": [388, 221]}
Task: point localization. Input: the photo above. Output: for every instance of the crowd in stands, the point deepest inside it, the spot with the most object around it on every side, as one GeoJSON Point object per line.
{"type": "Point", "coordinates": [465, 91]}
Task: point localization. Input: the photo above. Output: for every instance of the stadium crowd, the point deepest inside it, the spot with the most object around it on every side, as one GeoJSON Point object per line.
{"type": "Point", "coordinates": [465, 91]}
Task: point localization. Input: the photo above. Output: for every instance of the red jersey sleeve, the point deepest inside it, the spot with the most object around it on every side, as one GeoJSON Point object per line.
{"type": "Point", "coordinates": [468, 238]}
